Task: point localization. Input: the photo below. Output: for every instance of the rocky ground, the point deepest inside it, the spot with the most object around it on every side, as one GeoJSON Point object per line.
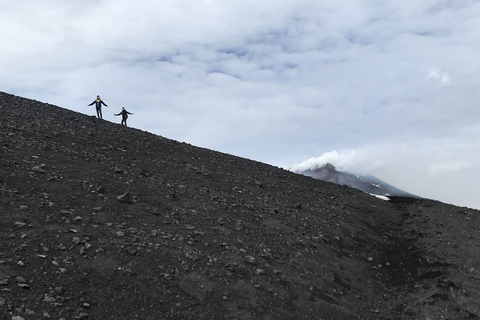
{"type": "Point", "coordinates": [100, 221]}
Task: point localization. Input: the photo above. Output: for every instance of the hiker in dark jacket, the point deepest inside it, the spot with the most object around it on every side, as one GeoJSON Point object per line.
{"type": "Point", "coordinates": [98, 104]}
{"type": "Point", "coordinates": [124, 114]}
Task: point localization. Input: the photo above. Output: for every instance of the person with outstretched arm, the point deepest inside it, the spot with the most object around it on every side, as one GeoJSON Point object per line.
{"type": "Point", "coordinates": [98, 104]}
{"type": "Point", "coordinates": [124, 114]}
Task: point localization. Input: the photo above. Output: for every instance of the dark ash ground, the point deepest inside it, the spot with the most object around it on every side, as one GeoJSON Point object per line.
{"type": "Point", "coordinates": [207, 235]}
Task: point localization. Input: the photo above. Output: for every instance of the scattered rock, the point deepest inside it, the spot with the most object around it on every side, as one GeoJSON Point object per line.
{"type": "Point", "coordinates": [125, 198]}
{"type": "Point", "coordinates": [213, 235]}
{"type": "Point", "coordinates": [38, 169]}
{"type": "Point", "coordinates": [250, 259]}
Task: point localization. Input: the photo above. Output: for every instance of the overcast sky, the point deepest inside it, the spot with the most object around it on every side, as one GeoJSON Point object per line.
{"type": "Point", "coordinates": [390, 88]}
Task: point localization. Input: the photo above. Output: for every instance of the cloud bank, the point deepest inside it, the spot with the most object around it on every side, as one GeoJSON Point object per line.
{"type": "Point", "coordinates": [449, 173]}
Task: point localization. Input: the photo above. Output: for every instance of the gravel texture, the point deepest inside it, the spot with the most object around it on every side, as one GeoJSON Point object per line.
{"type": "Point", "coordinates": [100, 221]}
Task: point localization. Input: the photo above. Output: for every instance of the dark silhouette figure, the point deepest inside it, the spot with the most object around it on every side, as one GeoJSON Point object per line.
{"type": "Point", "coordinates": [98, 104]}
{"type": "Point", "coordinates": [124, 114]}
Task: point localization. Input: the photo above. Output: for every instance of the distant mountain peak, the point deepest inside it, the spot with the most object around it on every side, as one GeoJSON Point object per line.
{"type": "Point", "coordinates": [329, 167]}
{"type": "Point", "coordinates": [366, 183]}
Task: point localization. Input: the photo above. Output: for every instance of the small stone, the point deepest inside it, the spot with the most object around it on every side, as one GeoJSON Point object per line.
{"type": "Point", "coordinates": [125, 198]}
{"type": "Point", "coordinates": [38, 169]}
{"type": "Point", "coordinates": [259, 271]}
{"type": "Point", "coordinates": [145, 173]}
{"type": "Point", "coordinates": [250, 259]}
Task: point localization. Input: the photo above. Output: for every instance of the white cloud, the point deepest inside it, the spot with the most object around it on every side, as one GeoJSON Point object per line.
{"type": "Point", "coordinates": [446, 167]}
{"type": "Point", "coordinates": [442, 77]}
{"type": "Point", "coordinates": [354, 161]}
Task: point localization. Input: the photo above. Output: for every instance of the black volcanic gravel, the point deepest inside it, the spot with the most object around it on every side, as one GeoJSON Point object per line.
{"type": "Point", "coordinates": [100, 221]}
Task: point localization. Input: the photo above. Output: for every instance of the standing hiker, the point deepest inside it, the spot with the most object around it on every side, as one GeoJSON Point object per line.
{"type": "Point", "coordinates": [98, 104]}
{"type": "Point", "coordinates": [124, 114]}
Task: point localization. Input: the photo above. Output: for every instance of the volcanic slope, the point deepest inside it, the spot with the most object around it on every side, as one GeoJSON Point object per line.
{"type": "Point", "coordinates": [200, 234]}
